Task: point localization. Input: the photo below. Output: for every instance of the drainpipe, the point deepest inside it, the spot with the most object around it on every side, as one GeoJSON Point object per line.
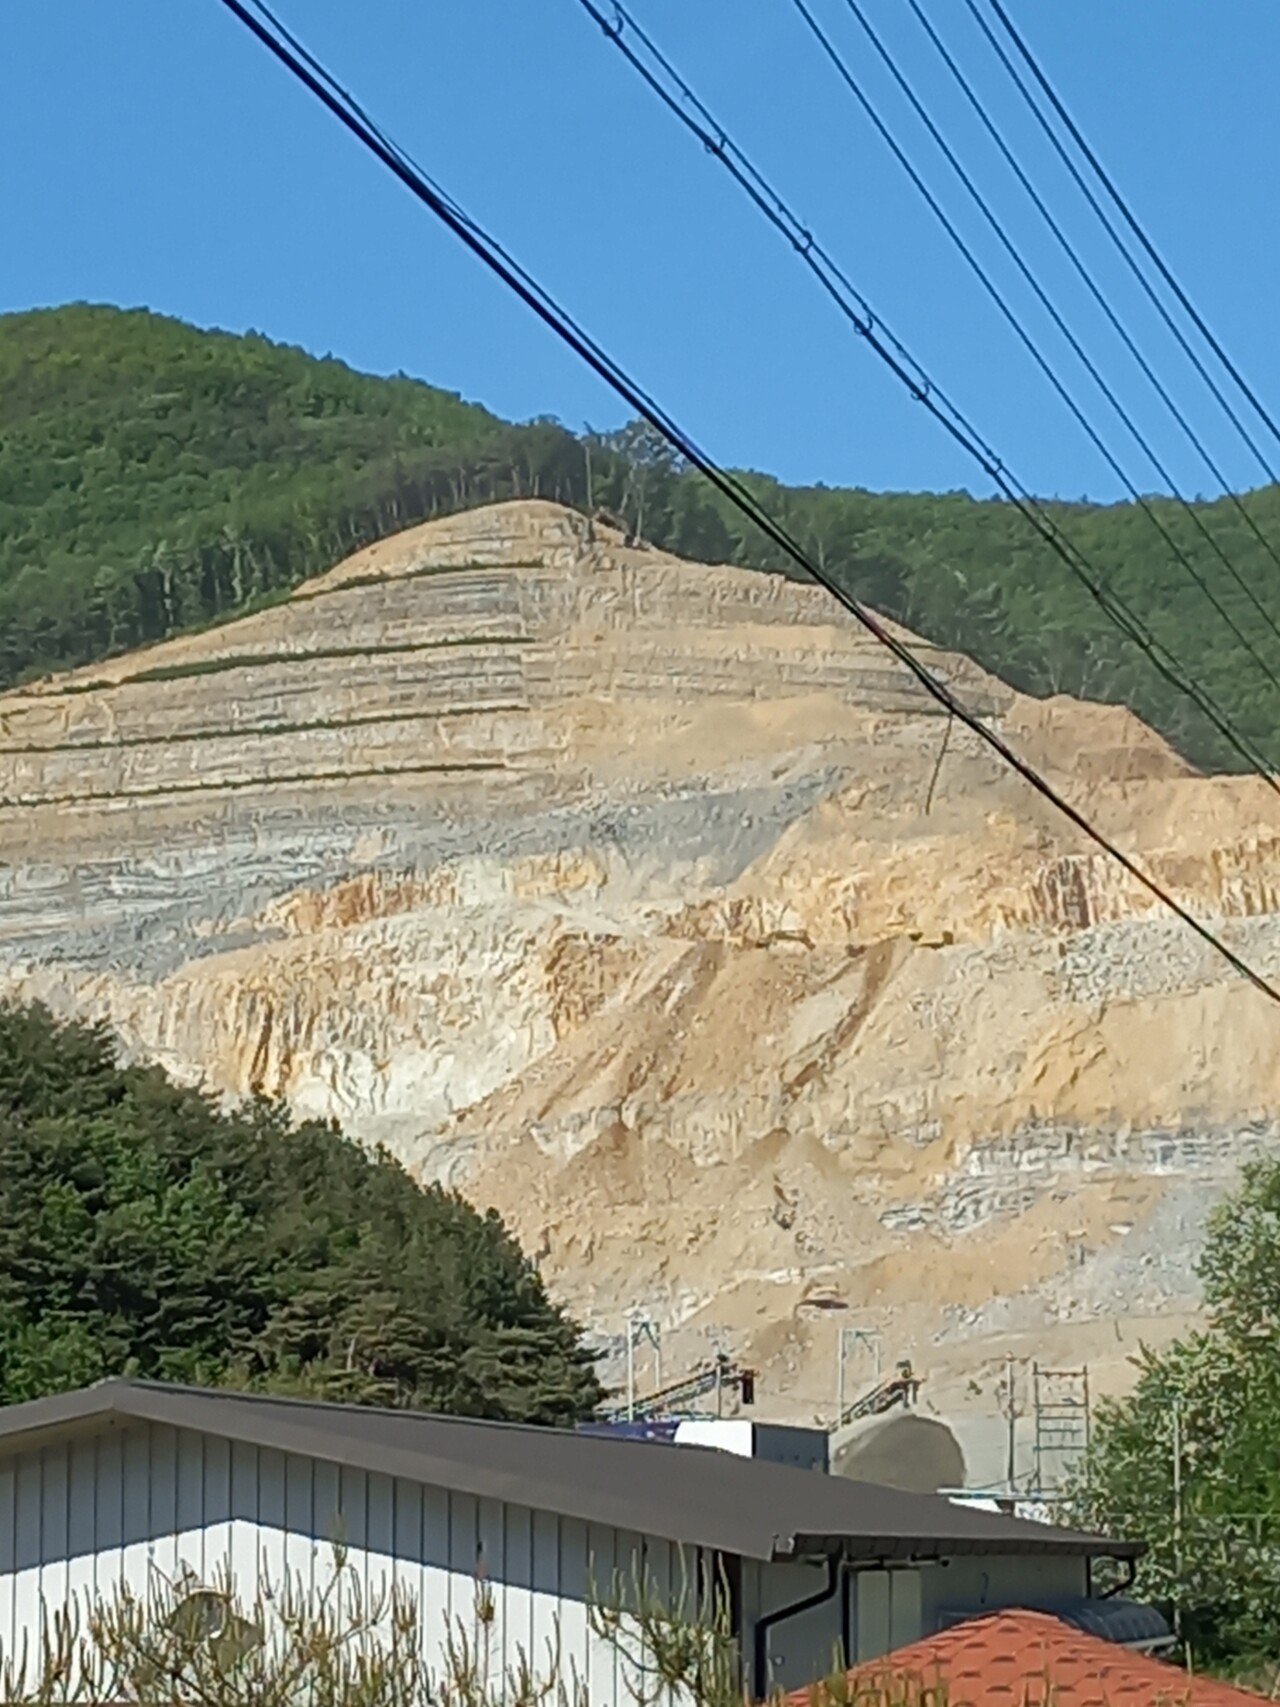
{"type": "Point", "coordinates": [766, 1624]}
{"type": "Point", "coordinates": [1122, 1587]}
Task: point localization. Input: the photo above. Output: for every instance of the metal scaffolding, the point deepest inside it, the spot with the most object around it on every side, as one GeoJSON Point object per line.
{"type": "Point", "coordinates": [1060, 1408]}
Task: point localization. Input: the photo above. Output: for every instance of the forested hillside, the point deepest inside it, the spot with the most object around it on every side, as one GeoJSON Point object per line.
{"type": "Point", "coordinates": [144, 1232]}
{"type": "Point", "coordinates": [154, 478]}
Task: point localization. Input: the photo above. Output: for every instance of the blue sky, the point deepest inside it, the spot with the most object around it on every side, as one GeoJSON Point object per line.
{"type": "Point", "coordinates": [151, 154]}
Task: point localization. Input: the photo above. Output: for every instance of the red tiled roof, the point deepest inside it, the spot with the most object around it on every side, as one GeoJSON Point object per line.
{"type": "Point", "coordinates": [1028, 1659]}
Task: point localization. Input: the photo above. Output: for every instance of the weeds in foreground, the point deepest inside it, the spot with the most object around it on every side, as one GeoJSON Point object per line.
{"type": "Point", "coordinates": [183, 1643]}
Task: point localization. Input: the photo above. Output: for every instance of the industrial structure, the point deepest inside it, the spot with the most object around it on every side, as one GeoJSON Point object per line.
{"type": "Point", "coordinates": [106, 1485]}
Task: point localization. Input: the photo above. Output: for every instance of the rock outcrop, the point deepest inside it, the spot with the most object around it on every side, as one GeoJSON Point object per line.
{"type": "Point", "coordinates": [656, 905]}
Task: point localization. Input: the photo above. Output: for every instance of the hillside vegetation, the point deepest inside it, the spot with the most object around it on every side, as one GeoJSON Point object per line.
{"type": "Point", "coordinates": [154, 478]}
{"type": "Point", "coordinates": [1190, 1460]}
{"type": "Point", "coordinates": [143, 1232]}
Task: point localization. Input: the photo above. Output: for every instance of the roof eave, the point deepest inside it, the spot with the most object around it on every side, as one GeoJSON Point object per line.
{"type": "Point", "coordinates": [901, 1548]}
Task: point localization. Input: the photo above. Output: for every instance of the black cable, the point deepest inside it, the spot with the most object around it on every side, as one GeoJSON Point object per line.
{"type": "Point", "coordinates": [1121, 616]}
{"type": "Point", "coordinates": [1087, 278]}
{"type": "Point", "coordinates": [1058, 320]}
{"type": "Point", "coordinates": [1029, 343]}
{"type": "Point", "coordinates": [504, 267]}
{"type": "Point", "coordinates": [1152, 295]}
{"type": "Point", "coordinates": [718, 143]}
{"type": "Point", "coordinates": [1042, 296]}
{"type": "Point", "coordinates": [1132, 222]}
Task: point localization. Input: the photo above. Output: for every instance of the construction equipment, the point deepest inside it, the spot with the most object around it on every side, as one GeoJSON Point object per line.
{"type": "Point", "coordinates": [720, 1376]}
{"type": "Point", "coordinates": [902, 1388]}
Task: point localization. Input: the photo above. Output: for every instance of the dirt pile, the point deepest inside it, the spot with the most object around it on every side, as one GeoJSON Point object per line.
{"type": "Point", "coordinates": [654, 904]}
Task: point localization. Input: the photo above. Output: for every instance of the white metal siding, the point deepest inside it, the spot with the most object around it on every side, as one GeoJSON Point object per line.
{"type": "Point", "coordinates": [77, 1519]}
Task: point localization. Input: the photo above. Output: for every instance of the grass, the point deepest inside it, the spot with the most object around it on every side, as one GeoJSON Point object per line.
{"type": "Point", "coordinates": [377, 578]}
{"type": "Point", "coordinates": [95, 686]}
{"type": "Point", "coordinates": [274, 600]}
{"type": "Point", "coordinates": [309, 727]}
{"type": "Point", "coordinates": [255, 660]}
{"type": "Point", "coordinates": [234, 785]}
{"type": "Point", "coordinates": [252, 660]}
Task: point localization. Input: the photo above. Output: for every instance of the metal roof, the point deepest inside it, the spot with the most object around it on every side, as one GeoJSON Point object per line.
{"type": "Point", "coordinates": [689, 1494]}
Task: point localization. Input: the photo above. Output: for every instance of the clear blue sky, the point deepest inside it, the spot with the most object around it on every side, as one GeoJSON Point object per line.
{"type": "Point", "coordinates": [151, 154]}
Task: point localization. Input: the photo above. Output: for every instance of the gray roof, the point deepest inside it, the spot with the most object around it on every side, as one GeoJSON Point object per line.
{"type": "Point", "coordinates": [690, 1494]}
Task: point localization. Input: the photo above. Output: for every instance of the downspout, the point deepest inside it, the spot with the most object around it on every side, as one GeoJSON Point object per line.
{"type": "Point", "coordinates": [766, 1624]}
{"type": "Point", "coordinates": [1126, 1581]}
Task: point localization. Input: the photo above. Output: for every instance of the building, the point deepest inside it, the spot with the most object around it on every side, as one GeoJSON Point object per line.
{"type": "Point", "coordinates": [1034, 1659]}
{"type": "Point", "coordinates": [126, 1478]}
{"type": "Point", "coordinates": [776, 1443]}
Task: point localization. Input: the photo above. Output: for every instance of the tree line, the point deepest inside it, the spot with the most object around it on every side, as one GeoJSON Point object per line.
{"type": "Point", "coordinates": [155, 478]}
{"type": "Point", "coordinates": [145, 1232]}
{"type": "Point", "coordinates": [1189, 1461]}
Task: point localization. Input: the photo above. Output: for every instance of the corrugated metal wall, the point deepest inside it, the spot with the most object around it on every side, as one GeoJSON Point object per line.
{"type": "Point", "coordinates": [78, 1518]}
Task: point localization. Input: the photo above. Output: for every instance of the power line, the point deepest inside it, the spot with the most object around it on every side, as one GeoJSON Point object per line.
{"type": "Point", "coordinates": [1099, 297]}
{"type": "Point", "coordinates": [692, 112]}
{"type": "Point", "coordinates": [1132, 223]}
{"type": "Point", "coordinates": [1108, 225]}
{"type": "Point", "coordinates": [1029, 343]}
{"type": "Point", "coordinates": [544, 306]}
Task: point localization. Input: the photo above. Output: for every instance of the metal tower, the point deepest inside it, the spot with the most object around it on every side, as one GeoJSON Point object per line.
{"type": "Point", "coordinates": [1060, 1407]}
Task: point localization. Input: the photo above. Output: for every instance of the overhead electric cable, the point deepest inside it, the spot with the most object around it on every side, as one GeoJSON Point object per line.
{"type": "Point", "coordinates": [1108, 225]}
{"type": "Point", "coordinates": [540, 303]}
{"type": "Point", "coordinates": [1130, 220]}
{"type": "Point", "coordinates": [1046, 367]}
{"type": "Point", "coordinates": [685, 104]}
{"type": "Point", "coordinates": [1088, 280]}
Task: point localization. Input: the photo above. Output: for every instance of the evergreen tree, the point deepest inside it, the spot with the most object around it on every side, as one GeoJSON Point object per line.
{"type": "Point", "coordinates": [1190, 1461]}
{"type": "Point", "coordinates": [144, 1232]}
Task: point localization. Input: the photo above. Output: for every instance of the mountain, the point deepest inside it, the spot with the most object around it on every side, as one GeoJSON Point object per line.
{"type": "Point", "coordinates": [155, 479]}
{"type": "Point", "coordinates": [650, 903]}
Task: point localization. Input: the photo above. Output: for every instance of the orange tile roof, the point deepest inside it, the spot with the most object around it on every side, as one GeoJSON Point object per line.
{"type": "Point", "coordinates": [1028, 1659]}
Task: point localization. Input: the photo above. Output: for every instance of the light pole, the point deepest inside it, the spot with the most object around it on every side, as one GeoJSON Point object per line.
{"type": "Point", "coordinates": [637, 1324]}
{"type": "Point", "coordinates": [1011, 1418]}
{"type": "Point", "coordinates": [631, 1367]}
{"type": "Point", "coordinates": [870, 1337]}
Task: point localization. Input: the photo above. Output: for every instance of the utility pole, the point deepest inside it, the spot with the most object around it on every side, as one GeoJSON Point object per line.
{"type": "Point", "coordinates": [639, 1324]}
{"type": "Point", "coordinates": [631, 1366]}
{"type": "Point", "coordinates": [1011, 1412]}
{"type": "Point", "coordinates": [870, 1337]}
{"type": "Point", "coordinates": [1177, 1511]}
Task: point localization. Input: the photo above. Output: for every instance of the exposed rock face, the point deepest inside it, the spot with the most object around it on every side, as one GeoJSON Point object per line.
{"type": "Point", "coordinates": [642, 900]}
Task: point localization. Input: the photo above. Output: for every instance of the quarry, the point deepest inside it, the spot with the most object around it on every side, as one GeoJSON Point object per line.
{"type": "Point", "coordinates": [652, 904]}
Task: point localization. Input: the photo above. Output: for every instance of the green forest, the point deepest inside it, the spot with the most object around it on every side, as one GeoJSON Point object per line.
{"type": "Point", "coordinates": [156, 478]}
{"type": "Point", "coordinates": [144, 1232]}
{"type": "Point", "coordinates": [1190, 1460]}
